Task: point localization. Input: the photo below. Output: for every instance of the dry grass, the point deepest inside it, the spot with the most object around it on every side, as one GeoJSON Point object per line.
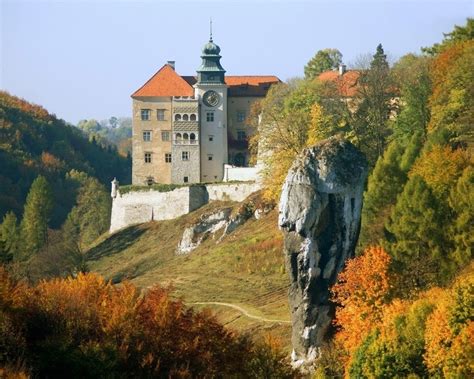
{"type": "Point", "coordinates": [246, 268]}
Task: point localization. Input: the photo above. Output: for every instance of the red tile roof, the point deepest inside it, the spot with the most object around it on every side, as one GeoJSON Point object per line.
{"type": "Point", "coordinates": [251, 80]}
{"type": "Point", "coordinates": [346, 83]}
{"type": "Point", "coordinates": [166, 82]}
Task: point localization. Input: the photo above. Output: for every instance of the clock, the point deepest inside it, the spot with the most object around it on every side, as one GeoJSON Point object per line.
{"type": "Point", "coordinates": [211, 98]}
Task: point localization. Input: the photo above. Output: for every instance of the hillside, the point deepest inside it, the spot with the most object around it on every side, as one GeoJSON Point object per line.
{"type": "Point", "coordinates": [34, 142]}
{"type": "Point", "coordinates": [245, 270]}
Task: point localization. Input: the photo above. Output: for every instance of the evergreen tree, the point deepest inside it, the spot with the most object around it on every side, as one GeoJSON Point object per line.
{"type": "Point", "coordinates": [9, 238]}
{"type": "Point", "coordinates": [375, 99]}
{"type": "Point", "coordinates": [38, 207]}
{"type": "Point", "coordinates": [461, 200]}
{"type": "Point", "coordinates": [90, 217]}
{"type": "Point", "coordinates": [412, 152]}
{"type": "Point", "coordinates": [416, 239]}
{"type": "Point", "coordinates": [384, 185]}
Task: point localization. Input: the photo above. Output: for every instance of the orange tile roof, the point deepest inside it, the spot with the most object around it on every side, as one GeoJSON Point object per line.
{"type": "Point", "coordinates": [166, 82]}
{"type": "Point", "coordinates": [250, 80]}
{"type": "Point", "coordinates": [347, 83]}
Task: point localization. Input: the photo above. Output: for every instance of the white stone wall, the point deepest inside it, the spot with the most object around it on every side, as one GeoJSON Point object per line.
{"type": "Point", "coordinates": [243, 174]}
{"type": "Point", "coordinates": [143, 206]}
{"type": "Point", "coordinates": [233, 192]}
{"type": "Point", "coordinates": [139, 207]}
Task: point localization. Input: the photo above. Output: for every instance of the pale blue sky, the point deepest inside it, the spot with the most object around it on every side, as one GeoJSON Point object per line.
{"type": "Point", "coordinates": [83, 59]}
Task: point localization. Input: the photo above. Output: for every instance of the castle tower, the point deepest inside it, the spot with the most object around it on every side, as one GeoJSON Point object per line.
{"type": "Point", "coordinates": [211, 92]}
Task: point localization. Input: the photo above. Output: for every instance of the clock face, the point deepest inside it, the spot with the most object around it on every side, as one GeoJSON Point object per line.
{"type": "Point", "coordinates": [211, 98]}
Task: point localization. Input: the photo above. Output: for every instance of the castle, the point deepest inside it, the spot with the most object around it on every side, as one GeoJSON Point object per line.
{"type": "Point", "coordinates": [187, 129]}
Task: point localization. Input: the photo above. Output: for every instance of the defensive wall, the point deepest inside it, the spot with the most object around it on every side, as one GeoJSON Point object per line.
{"type": "Point", "coordinates": [139, 206]}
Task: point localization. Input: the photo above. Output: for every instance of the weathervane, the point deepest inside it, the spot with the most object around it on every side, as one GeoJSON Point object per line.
{"type": "Point", "coordinates": [210, 27]}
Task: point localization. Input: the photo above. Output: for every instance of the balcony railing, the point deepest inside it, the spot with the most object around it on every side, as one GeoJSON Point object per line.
{"type": "Point", "coordinates": [186, 142]}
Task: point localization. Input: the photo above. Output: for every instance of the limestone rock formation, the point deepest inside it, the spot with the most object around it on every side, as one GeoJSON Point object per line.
{"type": "Point", "coordinates": [320, 209]}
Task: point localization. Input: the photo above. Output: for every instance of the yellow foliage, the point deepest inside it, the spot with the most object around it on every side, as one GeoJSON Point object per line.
{"type": "Point", "coordinates": [441, 167]}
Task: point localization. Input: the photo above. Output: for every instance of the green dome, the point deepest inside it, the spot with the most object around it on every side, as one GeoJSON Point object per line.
{"type": "Point", "coordinates": [211, 48]}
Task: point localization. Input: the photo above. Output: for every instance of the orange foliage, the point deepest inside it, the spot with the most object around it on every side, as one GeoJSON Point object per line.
{"type": "Point", "coordinates": [36, 111]}
{"type": "Point", "coordinates": [98, 327]}
{"type": "Point", "coordinates": [50, 161]}
{"type": "Point", "coordinates": [361, 293]}
{"type": "Point", "coordinates": [449, 340]}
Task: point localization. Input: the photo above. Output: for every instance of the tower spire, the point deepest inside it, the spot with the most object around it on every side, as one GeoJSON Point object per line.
{"type": "Point", "coordinates": [210, 29]}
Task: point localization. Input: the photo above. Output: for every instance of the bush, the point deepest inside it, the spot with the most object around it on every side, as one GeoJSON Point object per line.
{"type": "Point", "coordinates": [86, 327]}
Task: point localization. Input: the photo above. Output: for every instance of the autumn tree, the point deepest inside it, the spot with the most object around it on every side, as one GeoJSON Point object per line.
{"type": "Point", "coordinates": [282, 130]}
{"type": "Point", "coordinates": [34, 225]}
{"type": "Point", "coordinates": [324, 60]}
{"type": "Point", "coordinates": [452, 100]}
{"type": "Point", "coordinates": [375, 99]}
{"type": "Point", "coordinates": [361, 292]}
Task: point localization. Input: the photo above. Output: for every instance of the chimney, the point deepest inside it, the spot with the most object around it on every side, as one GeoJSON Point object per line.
{"type": "Point", "coordinates": [172, 64]}
{"type": "Point", "coordinates": [342, 69]}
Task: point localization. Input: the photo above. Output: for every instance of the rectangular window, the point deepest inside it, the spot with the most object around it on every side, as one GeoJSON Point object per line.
{"type": "Point", "coordinates": [147, 157]}
{"type": "Point", "coordinates": [165, 135]}
{"type": "Point", "coordinates": [209, 157]}
{"type": "Point", "coordinates": [241, 135]}
{"type": "Point", "coordinates": [168, 157]}
{"type": "Point", "coordinates": [185, 179]}
{"type": "Point", "coordinates": [145, 114]}
{"type": "Point", "coordinates": [209, 116]}
{"type": "Point", "coordinates": [211, 138]}
{"type": "Point", "coordinates": [147, 135]}
{"type": "Point", "coordinates": [185, 155]}
{"type": "Point", "coordinates": [240, 116]}
{"type": "Point", "coordinates": [160, 114]}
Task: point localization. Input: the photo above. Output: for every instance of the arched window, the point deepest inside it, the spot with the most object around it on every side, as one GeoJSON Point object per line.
{"type": "Point", "coordinates": [185, 117]}
{"type": "Point", "coordinates": [192, 137]}
{"type": "Point", "coordinates": [185, 136]}
{"type": "Point", "coordinates": [178, 137]}
{"type": "Point", "coordinates": [177, 117]}
{"type": "Point", "coordinates": [193, 117]}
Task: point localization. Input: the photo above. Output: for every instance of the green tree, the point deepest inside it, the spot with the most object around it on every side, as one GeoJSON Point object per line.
{"type": "Point", "coordinates": [412, 152]}
{"type": "Point", "coordinates": [461, 200]}
{"type": "Point", "coordinates": [323, 60]}
{"type": "Point", "coordinates": [90, 217]}
{"type": "Point", "coordinates": [460, 33]}
{"type": "Point", "coordinates": [9, 238]}
{"type": "Point", "coordinates": [34, 225]}
{"type": "Point", "coordinates": [385, 184]}
{"type": "Point", "coordinates": [416, 238]}
{"type": "Point", "coordinates": [375, 101]}
{"type": "Point", "coordinates": [411, 75]}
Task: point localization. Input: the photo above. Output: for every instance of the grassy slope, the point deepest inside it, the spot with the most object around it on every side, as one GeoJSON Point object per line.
{"type": "Point", "coordinates": [246, 268]}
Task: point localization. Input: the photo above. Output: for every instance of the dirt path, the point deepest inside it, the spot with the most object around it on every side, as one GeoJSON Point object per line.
{"type": "Point", "coordinates": [242, 310]}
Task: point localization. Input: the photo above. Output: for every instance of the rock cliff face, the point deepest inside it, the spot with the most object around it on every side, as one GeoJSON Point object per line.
{"type": "Point", "coordinates": [320, 210]}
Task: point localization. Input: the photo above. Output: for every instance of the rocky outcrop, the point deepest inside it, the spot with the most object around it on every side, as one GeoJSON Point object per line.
{"type": "Point", "coordinates": [320, 210]}
{"type": "Point", "coordinates": [221, 222]}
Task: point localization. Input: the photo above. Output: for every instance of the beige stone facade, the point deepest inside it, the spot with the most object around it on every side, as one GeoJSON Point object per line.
{"type": "Point", "coordinates": [187, 128]}
{"type": "Point", "coordinates": [151, 135]}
